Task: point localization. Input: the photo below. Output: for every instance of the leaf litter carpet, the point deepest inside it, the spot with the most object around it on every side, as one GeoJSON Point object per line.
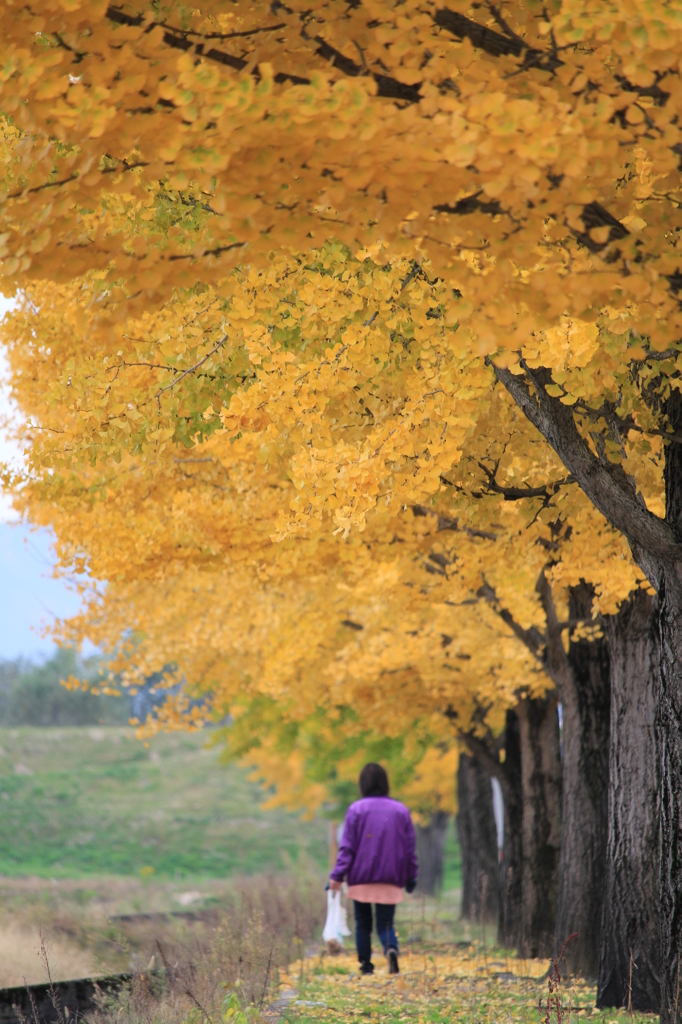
{"type": "Point", "coordinates": [445, 983]}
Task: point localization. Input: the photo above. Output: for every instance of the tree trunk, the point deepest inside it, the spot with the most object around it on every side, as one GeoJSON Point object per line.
{"type": "Point", "coordinates": [477, 839]}
{"type": "Point", "coordinates": [541, 782]}
{"type": "Point", "coordinates": [631, 922]}
{"type": "Point", "coordinates": [585, 705]}
{"type": "Point", "coordinates": [431, 852]}
{"type": "Point", "coordinates": [669, 761]}
{"type": "Point", "coordinates": [669, 737]}
{"type": "Point", "coordinates": [511, 864]}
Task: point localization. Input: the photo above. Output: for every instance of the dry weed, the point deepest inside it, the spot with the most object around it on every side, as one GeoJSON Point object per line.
{"type": "Point", "coordinates": [20, 957]}
{"type": "Point", "coordinates": [224, 966]}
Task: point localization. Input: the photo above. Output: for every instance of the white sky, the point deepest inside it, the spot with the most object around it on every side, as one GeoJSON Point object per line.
{"type": "Point", "coordinates": [9, 451]}
{"type": "Point", "coordinates": [29, 597]}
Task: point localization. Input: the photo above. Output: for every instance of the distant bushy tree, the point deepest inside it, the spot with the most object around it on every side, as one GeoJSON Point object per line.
{"type": "Point", "coordinates": [33, 695]}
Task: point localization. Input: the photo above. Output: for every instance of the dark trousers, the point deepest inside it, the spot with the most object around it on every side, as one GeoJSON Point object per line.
{"type": "Point", "coordinates": [385, 912]}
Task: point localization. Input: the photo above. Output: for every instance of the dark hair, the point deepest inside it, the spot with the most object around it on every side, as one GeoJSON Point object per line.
{"type": "Point", "coordinates": [373, 780]}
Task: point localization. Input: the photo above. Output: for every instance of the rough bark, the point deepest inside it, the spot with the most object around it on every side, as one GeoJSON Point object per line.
{"type": "Point", "coordinates": [669, 760]}
{"type": "Point", "coordinates": [511, 865]}
{"type": "Point", "coordinates": [541, 786]}
{"type": "Point", "coordinates": [477, 839]}
{"type": "Point", "coordinates": [585, 705]}
{"type": "Point", "coordinates": [669, 736]}
{"type": "Point", "coordinates": [629, 962]}
{"type": "Point", "coordinates": [431, 852]}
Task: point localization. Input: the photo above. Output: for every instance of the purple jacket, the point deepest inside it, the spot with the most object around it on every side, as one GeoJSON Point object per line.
{"type": "Point", "coordinates": [377, 844]}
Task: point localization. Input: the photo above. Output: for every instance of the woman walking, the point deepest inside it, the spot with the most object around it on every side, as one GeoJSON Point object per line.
{"type": "Point", "coordinates": [377, 859]}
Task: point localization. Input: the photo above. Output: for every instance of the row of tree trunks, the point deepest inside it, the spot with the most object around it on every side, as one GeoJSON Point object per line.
{"type": "Point", "coordinates": [581, 679]}
{"type": "Point", "coordinates": [656, 545]}
{"type": "Point", "coordinates": [525, 879]}
{"type": "Point", "coordinates": [594, 875]}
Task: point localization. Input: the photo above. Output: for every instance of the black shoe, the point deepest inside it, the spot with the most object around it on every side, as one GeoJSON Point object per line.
{"type": "Point", "coordinates": [392, 957]}
{"type": "Point", "coordinates": [366, 968]}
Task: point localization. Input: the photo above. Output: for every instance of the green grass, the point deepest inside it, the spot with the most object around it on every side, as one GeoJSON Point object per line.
{"type": "Point", "coordinates": [77, 801]}
{"type": "Point", "coordinates": [97, 801]}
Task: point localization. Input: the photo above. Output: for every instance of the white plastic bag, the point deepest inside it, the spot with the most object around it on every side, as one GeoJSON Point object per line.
{"type": "Point", "coordinates": [336, 925]}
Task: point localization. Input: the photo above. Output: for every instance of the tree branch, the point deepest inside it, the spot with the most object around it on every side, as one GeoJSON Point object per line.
{"type": "Point", "coordinates": [555, 661]}
{"type": "Point", "coordinates": [448, 523]}
{"type": "Point", "coordinates": [627, 423]}
{"type": "Point", "coordinates": [179, 39]}
{"type": "Point", "coordinates": [497, 44]}
{"type": "Point", "coordinates": [488, 761]}
{"type": "Point", "coordinates": [192, 369]}
{"type": "Point", "coordinates": [545, 491]}
{"type": "Point", "coordinates": [387, 87]}
{"type": "Point", "coordinates": [606, 484]}
{"type": "Point", "coordinates": [532, 638]}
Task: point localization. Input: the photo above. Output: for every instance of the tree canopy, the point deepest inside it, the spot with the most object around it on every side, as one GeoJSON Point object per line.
{"type": "Point", "coordinates": [348, 344]}
{"type": "Point", "coordinates": [521, 146]}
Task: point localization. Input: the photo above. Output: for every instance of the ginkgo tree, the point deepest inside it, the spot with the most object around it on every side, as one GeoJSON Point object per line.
{"type": "Point", "coordinates": [531, 152]}
{"type": "Point", "coordinates": [213, 507]}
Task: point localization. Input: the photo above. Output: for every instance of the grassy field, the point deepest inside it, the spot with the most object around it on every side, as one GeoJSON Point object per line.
{"type": "Point", "coordinates": [95, 825]}
{"type": "Point", "coordinates": [96, 801]}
